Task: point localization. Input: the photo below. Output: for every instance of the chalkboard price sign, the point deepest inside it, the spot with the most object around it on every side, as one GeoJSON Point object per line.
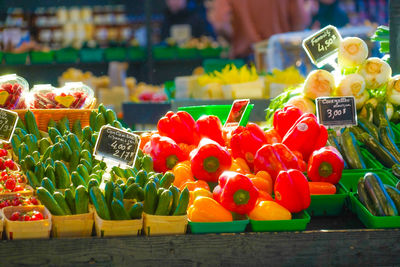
{"type": "Point", "coordinates": [322, 47]}
{"type": "Point", "coordinates": [8, 122]}
{"type": "Point", "coordinates": [337, 111]}
{"type": "Point", "coordinates": [116, 145]}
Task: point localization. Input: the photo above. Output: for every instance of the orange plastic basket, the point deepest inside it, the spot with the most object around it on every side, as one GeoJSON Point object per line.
{"type": "Point", "coordinates": [43, 116]}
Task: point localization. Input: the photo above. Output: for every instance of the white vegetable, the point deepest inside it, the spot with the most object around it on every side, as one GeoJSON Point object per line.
{"type": "Point", "coordinates": [393, 90]}
{"type": "Point", "coordinates": [372, 101]}
{"type": "Point", "coordinates": [319, 83]}
{"type": "Point", "coordinates": [361, 99]}
{"type": "Point", "coordinates": [376, 72]}
{"type": "Point", "coordinates": [353, 84]}
{"type": "Point", "coordinates": [304, 104]}
{"type": "Point", "coordinates": [389, 110]}
{"type": "Point", "coordinates": [352, 52]}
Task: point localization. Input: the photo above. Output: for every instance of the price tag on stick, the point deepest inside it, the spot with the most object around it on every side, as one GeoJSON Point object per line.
{"type": "Point", "coordinates": [334, 112]}
{"type": "Point", "coordinates": [8, 122]}
{"type": "Point", "coordinates": [323, 46]}
{"type": "Point", "coordinates": [117, 146]}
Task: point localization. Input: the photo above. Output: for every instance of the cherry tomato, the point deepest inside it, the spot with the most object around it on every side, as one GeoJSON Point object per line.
{"type": "Point", "coordinates": [37, 216]}
{"type": "Point", "coordinates": [10, 183]}
{"type": "Point", "coordinates": [18, 188]}
{"type": "Point", "coordinates": [15, 216]}
{"type": "Point", "coordinates": [10, 164]}
{"type": "Point", "coordinates": [3, 152]}
{"type": "Point", "coordinates": [26, 218]}
{"type": "Point", "coordinates": [34, 201]}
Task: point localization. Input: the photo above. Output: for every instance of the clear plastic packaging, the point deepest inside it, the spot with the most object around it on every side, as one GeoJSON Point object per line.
{"type": "Point", "coordinates": [75, 95]}
{"type": "Point", "coordinates": [13, 90]}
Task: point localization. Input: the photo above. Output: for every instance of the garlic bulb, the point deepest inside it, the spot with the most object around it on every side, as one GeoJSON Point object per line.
{"type": "Point", "coordinates": [352, 52]}
{"type": "Point", "coordinates": [319, 83]}
{"type": "Point", "coordinates": [351, 85]}
{"type": "Point", "coordinates": [376, 72]}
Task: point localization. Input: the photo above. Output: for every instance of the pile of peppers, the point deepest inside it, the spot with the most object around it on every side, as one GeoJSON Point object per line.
{"type": "Point", "coordinates": [245, 166]}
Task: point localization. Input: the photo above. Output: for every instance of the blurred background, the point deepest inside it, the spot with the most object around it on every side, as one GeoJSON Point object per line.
{"type": "Point", "coordinates": [151, 50]}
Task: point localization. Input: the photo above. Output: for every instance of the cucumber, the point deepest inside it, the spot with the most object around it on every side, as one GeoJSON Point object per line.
{"type": "Point", "coordinates": [23, 151]}
{"type": "Point", "coordinates": [49, 202]}
{"type": "Point", "coordinates": [118, 210]}
{"type": "Point", "coordinates": [380, 153]}
{"type": "Point", "coordinates": [135, 212]}
{"type": "Point", "coordinates": [66, 151]}
{"type": "Point", "coordinates": [380, 117]}
{"type": "Point", "coordinates": [364, 197]}
{"type": "Point", "coordinates": [20, 133]}
{"type": "Point", "coordinates": [167, 180]}
{"type": "Point", "coordinates": [87, 146]}
{"type": "Point", "coordinates": [110, 116]}
{"type": "Point", "coordinates": [48, 184]}
{"type": "Point", "coordinates": [81, 200]}
{"type": "Point", "coordinates": [102, 109]}
{"type": "Point", "coordinates": [62, 203]}
{"type": "Point", "coordinates": [56, 152]}
{"type": "Point", "coordinates": [39, 171]}
{"type": "Point", "coordinates": [164, 203]}
{"type": "Point", "coordinates": [15, 142]}
{"type": "Point", "coordinates": [53, 133]}
{"type": "Point", "coordinates": [394, 194]}
{"type": "Point", "coordinates": [49, 162]}
{"type": "Point", "coordinates": [118, 171]}
{"type": "Point", "coordinates": [52, 123]}
{"type": "Point", "coordinates": [100, 121]}
{"type": "Point", "coordinates": [36, 156]}
{"type": "Point", "coordinates": [129, 172]}
{"type": "Point", "coordinates": [33, 180]}
{"type": "Point", "coordinates": [86, 155]}
{"type": "Point", "coordinates": [62, 175]}
{"type": "Point", "coordinates": [73, 142]}
{"type": "Point", "coordinates": [86, 163]}
{"type": "Point", "coordinates": [46, 154]}
{"type": "Point", "coordinates": [351, 150]}
{"type": "Point", "coordinates": [118, 194]}
{"type": "Point", "coordinates": [95, 176]}
{"type": "Point", "coordinates": [175, 193]}
{"type": "Point", "coordinates": [147, 163]}
{"type": "Point", "coordinates": [87, 133]}
{"type": "Point", "coordinates": [83, 171]}
{"type": "Point", "coordinates": [92, 119]}
{"type": "Point", "coordinates": [70, 199]}
{"type": "Point", "coordinates": [31, 125]}
{"type": "Point", "coordinates": [388, 142]}
{"type": "Point", "coordinates": [182, 203]}
{"type": "Point", "coordinates": [379, 195]}
{"type": "Point", "coordinates": [150, 198]}
{"type": "Point", "coordinates": [368, 127]}
{"type": "Point", "coordinates": [130, 181]}
{"type": "Point", "coordinates": [117, 124]}
{"type": "Point", "coordinates": [99, 203]}
{"type": "Point", "coordinates": [77, 129]}
{"type": "Point", "coordinates": [49, 172]}
{"type": "Point", "coordinates": [20, 124]}
{"type": "Point", "coordinates": [30, 163]}
{"type": "Point", "coordinates": [108, 193]}
{"type": "Point", "coordinates": [396, 170]}
{"type": "Point", "coordinates": [63, 125]}
{"type": "Point", "coordinates": [74, 162]}
{"type": "Point", "coordinates": [134, 191]}
{"type": "Point", "coordinates": [31, 141]}
{"type": "Point", "coordinates": [77, 179]}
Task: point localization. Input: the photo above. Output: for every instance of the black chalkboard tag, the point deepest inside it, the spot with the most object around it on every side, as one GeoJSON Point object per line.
{"type": "Point", "coordinates": [337, 112]}
{"type": "Point", "coordinates": [322, 47]}
{"type": "Point", "coordinates": [8, 122]}
{"type": "Point", "coordinates": [116, 147]}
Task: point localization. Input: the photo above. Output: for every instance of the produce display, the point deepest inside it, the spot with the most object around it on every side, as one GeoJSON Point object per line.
{"type": "Point", "coordinates": [13, 91]}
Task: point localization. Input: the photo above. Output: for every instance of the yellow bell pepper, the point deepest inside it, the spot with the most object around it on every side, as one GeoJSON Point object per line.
{"type": "Point", "coordinates": [268, 211]}
{"type": "Point", "coordinates": [205, 209]}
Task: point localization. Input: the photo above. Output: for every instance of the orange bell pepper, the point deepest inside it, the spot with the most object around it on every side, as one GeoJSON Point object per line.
{"type": "Point", "coordinates": [205, 209]}
{"type": "Point", "coordinates": [198, 192]}
{"type": "Point", "coordinates": [268, 211]}
{"type": "Point", "coordinates": [144, 138]}
{"type": "Point", "coordinates": [322, 188]}
{"type": "Point", "coordinates": [264, 196]}
{"type": "Point", "coordinates": [242, 165]}
{"type": "Point", "coordinates": [183, 173]}
{"type": "Point", "coordinates": [262, 184]}
{"type": "Point", "coordinates": [193, 185]}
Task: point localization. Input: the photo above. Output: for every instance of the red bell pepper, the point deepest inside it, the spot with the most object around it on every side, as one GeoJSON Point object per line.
{"type": "Point", "coordinates": [285, 118]}
{"type": "Point", "coordinates": [210, 127]}
{"type": "Point", "coordinates": [325, 165]}
{"type": "Point", "coordinates": [235, 192]}
{"type": "Point", "coordinates": [306, 135]}
{"type": "Point", "coordinates": [180, 127]}
{"type": "Point", "coordinates": [209, 160]}
{"type": "Point", "coordinates": [164, 151]}
{"type": "Point", "coordinates": [273, 136]}
{"type": "Point", "coordinates": [292, 190]}
{"type": "Point", "coordinates": [275, 158]}
{"type": "Point", "coordinates": [245, 142]}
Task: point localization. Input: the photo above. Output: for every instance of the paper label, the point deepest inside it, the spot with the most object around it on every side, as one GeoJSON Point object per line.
{"type": "Point", "coordinates": [66, 101]}
{"type": "Point", "coordinates": [3, 97]}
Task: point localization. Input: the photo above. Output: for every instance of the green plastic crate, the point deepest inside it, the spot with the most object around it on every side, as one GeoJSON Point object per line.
{"type": "Point", "coordinates": [221, 111]}
{"type": "Point", "coordinates": [115, 54]}
{"type": "Point", "coordinates": [187, 53]}
{"type": "Point", "coordinates": [370, 161]}
{"type": "Point", "coordinates": [350, 179]}
{"type": "Point", "coordinates": [136, 53]}
{"type": "Point", "coordinates": [39, 57]}
{"type": "Point", "coordinates": [66, 55]}
{"type": "Point", "coordinates": [369, 220]}
{"type": "Point", "coordinates": [15, 58]}
{"type": "Point", "coordinates": [328, 205]}
{"type": "Point", "coordinates": [91, 54]}
{"type": "Point", "coordinates": [298, 222]}
{"type": "Point", "coordinates": [210, 52]}
{"type": "Point", "coordinates": [161, 52]}
{"type": "Point", "coordinates": [218, 227]}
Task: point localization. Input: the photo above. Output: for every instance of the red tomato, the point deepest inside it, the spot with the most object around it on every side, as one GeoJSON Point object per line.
{"type": "Point", "coordinates": [15, 216]}
{"type": "Point", "coordinates": [10, 183]}
{"type": "Point", "coordinates": [18, 188]}
{"type": "Point", "coordinates": [34, 201]}
{"type": "Point", "coordinates": [10, 164]}
{"type": "Point", "coordinates": [37, 217]}
{"type": "Point", "coordinates": [3, 152]}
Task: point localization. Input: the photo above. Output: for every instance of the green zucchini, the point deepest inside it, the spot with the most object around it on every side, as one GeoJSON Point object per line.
{"type": "Point", "coordinates": [164, 203]}
{"type": "Point", "coordinates": [394, 194]}
{"type": "Point", "coordinates": [380, 152]}
{"type": "Point", "coordinates": [388, 142]}
{"type": "Point", "coordinates": [364, 197]}
{"type": "Point", "coordinates": [150, 198]}
{"type": "Point", "coordinates": [351, 150]}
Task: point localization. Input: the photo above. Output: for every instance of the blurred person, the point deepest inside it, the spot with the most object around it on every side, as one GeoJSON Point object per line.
{"type": "Point", "coordinates": [328, 12]}
{"type": "Point", "coordinates": [245, 22]}
{"type": "Point", "coordinates": [178, 13]}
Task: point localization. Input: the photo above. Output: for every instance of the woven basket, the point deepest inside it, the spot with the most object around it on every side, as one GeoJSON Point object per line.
{"type": "Point", "coordinates": [43, 116]}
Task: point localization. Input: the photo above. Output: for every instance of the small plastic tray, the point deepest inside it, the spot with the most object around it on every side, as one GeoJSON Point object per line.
{"type": "Point", "coordinates": [396, 132]}
{"type": "Point", "coordinates": [136, 53]}
{"type": "Point", "coordinates": [15, 58]}
{"type": "Point", "coordinates": [115, 54]}
{"type": "Point", "coordinates": [66, 55]}
{"type": "Point", "coordinates": [221, 111]}
{"type": "Point", "coordinates": [91, 54]}
{"type": "Point", "coordinates": [298, 222]}
{"type": "Point", "coordinates": [350, 178]}
{"type": "Point", "coordinates": [328, 205]}
{"type": "Point", "coordinates": [160, 52]}
{"type": "Point", "coordinates": [370, 161]}
{"type": "Point", "coordinates": [369, 220]}
{"type": "Point", "coordinates": [40, 57]}
{"type": "Point", "coordinates": [187, 53]}
{"type": "Point", "coordinates": [210, 52]}
{"type": "Point", "coordinates": [218, 227]}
